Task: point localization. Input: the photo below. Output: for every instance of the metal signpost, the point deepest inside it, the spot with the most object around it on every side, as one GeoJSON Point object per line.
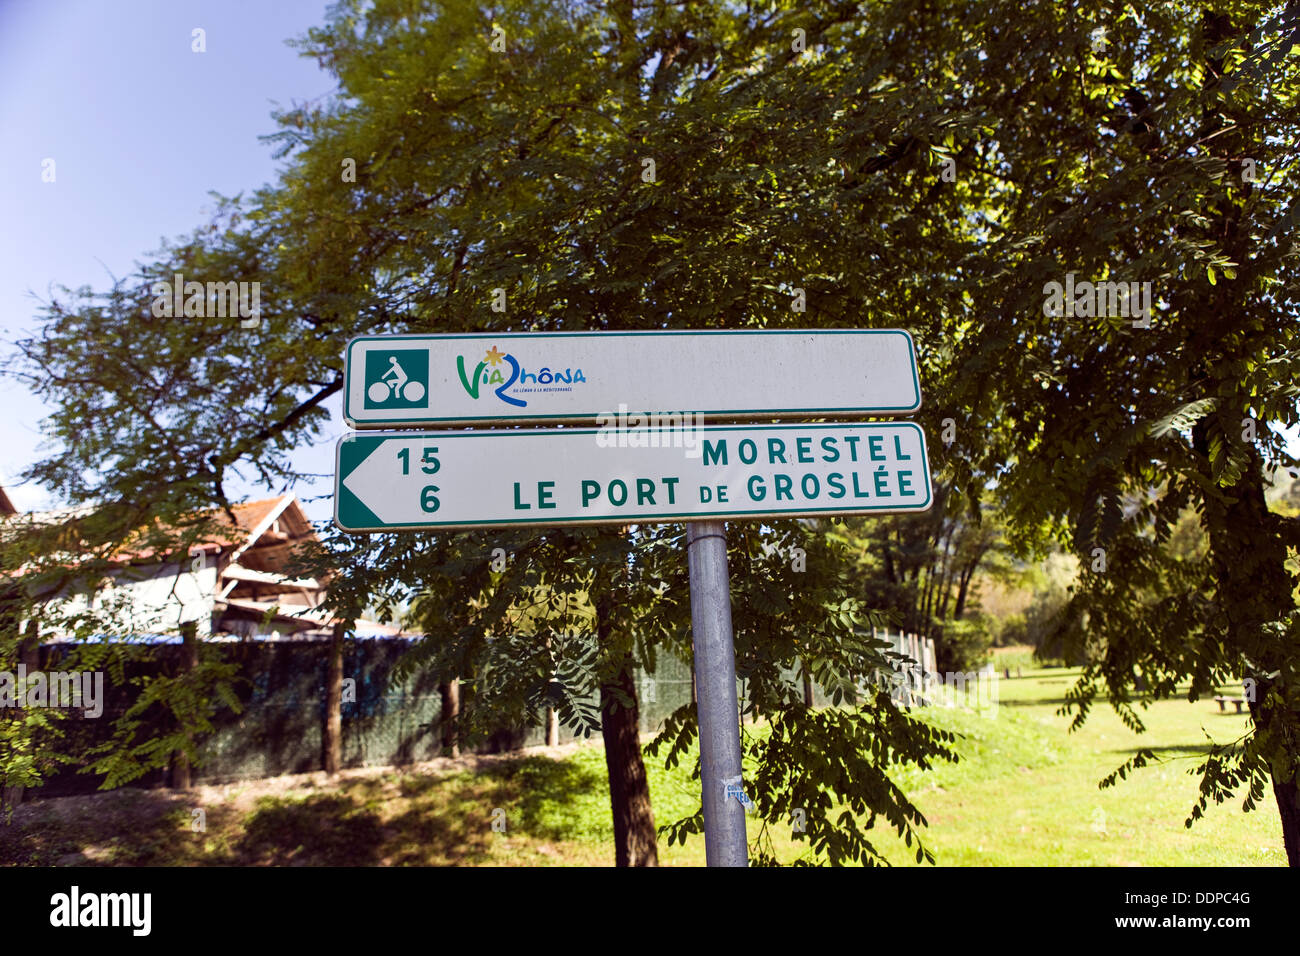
{"type": "Point", "coordinates": [715, 695]}
{"type": "Point", "coordinates": [642, 464]}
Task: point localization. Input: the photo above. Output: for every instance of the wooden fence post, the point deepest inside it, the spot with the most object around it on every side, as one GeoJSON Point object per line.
{"type": "Point", "coordinates": [449, 717]}
{"type": "Point", "coordinates": [552, 727]}
{"type": "Point", "coordinates": [333, 739]}
{"type": "Point", "coordinates": [181, 777]}
{"type": "Point", "coordinates": [29, 655]}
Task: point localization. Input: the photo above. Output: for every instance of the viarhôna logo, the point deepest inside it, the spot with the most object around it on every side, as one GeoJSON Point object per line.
{"type": "Point", "coordinates": [491, 371]}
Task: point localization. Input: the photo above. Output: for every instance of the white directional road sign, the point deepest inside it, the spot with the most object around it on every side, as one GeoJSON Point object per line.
{"type": "Point", "coordinates": [576, 377]}
{"type": "Point", "coordinates": [569, 476]}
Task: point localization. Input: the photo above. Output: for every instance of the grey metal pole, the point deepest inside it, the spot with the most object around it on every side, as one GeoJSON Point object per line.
{"type": "Point", "coordinates": [715, 681]}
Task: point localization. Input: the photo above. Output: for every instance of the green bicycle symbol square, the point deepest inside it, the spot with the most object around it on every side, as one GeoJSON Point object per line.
{"type": "Point", "coordinates": [397, 378]}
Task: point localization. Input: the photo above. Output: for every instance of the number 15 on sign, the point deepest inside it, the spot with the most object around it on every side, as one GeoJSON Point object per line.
{"type": "Point", "coordinates": [429, 465]}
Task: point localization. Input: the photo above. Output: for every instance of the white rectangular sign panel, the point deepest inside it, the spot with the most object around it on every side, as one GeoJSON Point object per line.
{"type": "Point", "coordinates": [577, 377]}
{"type": "Point", "coordinates": [570, 476]}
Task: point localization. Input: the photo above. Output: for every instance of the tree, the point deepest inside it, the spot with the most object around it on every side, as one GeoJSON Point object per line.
{"type": "Point", "coordinates": [544, 633]}
{"type": "Point", "coordinates": [923, 568]}
{"type": "Point", "coordinates": [1137, 163]}
{"type": "Point", "coordinates": [657, 165]}
{"type": "Point", "coordinates": [1107, 176]}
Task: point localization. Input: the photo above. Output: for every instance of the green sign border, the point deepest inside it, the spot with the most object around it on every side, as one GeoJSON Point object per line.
{"type": "Point", "coordinates": [348, 508]}
{"type": "Point", "coordinates": [507, 418]}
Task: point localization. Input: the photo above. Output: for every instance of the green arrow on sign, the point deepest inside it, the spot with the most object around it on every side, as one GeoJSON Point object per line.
{"type": "Point", "coordinates": [352, 513]}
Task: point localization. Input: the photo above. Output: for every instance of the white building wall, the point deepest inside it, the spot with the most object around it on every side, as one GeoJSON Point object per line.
{"type": "Point", "coordinates": [154, 599]}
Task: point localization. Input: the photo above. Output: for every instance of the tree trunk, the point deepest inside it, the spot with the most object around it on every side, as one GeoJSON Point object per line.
{"type": "Point", "coordinates": [1249, 555]}
{"type": "Point", "coordinates": [967, 573]}
{"type": "Point", "coordinates": [181, 778]}
{"type": "Point", "coordinates": [807, 688]}
{"type": "Point", "coordinates": [947, 561]}
{"type": "Point", "coordinates": [629, 791]}
{"type": "Point", "coordinates": [450, 717]}
{"type": "Point", "coordinates": [333, 741]}
{"type": "Point", "coordinates": [891, 575]}
{"type": "Point", "coordinates": [620, 727]}
{"type": "Point", "coordinates": [1247, 548]}
{"type": "Point", "coordinates": [1287, 796]}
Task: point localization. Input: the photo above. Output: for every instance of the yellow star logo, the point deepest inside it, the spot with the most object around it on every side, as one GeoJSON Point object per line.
{"type": "Point", "coordinates": [494, 357]}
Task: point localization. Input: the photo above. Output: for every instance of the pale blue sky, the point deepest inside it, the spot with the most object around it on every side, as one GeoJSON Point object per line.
{"type": "Point", "coordinates": [140, 128]}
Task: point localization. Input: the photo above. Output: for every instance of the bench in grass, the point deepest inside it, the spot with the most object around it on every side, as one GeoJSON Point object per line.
{"type": "Point", "coordinates": [1221, 701]}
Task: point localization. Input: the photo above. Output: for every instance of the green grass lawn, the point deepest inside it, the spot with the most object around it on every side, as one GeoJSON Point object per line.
{"type": "Point", "coordinates": [1027, 795]}
{"type": "Point", "coordinates": [1024, 793]}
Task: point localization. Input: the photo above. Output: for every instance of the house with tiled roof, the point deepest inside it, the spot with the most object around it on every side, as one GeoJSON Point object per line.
{"type": "Point", "coordinates": [252, 595]}
{"type": "Point", "coordinates": [232, 585]}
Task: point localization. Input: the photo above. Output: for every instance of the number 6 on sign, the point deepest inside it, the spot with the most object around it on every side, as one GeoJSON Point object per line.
{"type": "Point", "coordinates": [429, 499]}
